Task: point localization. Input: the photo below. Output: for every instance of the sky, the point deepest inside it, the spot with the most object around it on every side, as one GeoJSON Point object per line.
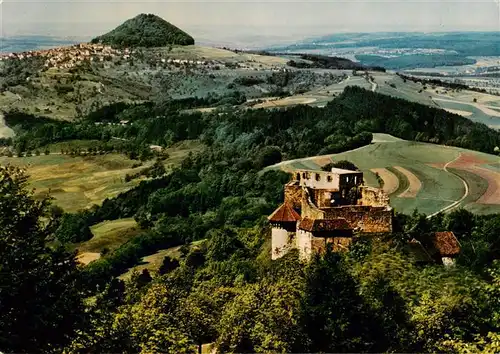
{"type": "Point", "coordinates": [250, 21]}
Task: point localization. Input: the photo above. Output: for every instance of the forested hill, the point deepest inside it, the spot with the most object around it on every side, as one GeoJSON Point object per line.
{"type": "Point", "coordinates": [145, 30]}
{"type": "Point", "coordinates": [413, 121]}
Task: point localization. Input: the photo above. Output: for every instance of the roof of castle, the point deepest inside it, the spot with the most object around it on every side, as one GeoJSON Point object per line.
{"type": "Point", "coordinates": [285, 213]}
{"type": "Point", "coordinates": [323, 224]}
{"type": "Point", "coordinates": [446, 243]}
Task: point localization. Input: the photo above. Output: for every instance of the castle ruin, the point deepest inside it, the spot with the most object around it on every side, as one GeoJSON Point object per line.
{"type": "Point", "coordinates": [327, 208]}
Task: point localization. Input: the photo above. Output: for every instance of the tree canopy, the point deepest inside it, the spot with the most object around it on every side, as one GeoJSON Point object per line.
{"type": "Point", "coordinates": [41, 305]}
{"type": "Point", "coordinates": [145, 30]}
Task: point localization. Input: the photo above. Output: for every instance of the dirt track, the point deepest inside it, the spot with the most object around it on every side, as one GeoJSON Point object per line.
{"type": "Point", "coordinates": [391, 181]}
{"type": "Point", "coordinates": [414, 183]}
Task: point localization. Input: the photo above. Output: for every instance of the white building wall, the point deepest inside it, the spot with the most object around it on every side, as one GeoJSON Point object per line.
{"type": "Point", "coordinates": [281, 242]}
{"type": "Point", "coordinates": [448, 261]}
{"type": "Point", "coordinates": [326, 180]}
{"type": "Point", "coordinates": [304, 243]}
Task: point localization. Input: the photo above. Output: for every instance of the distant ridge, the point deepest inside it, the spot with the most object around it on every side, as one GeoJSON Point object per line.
{"type": "Point", "coordinates": [145, 30]}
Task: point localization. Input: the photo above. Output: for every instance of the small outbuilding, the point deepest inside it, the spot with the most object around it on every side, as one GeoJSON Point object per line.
{"type": "Point", "coordinates": [446, 247]}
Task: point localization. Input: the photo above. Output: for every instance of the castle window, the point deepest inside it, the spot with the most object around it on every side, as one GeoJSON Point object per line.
{"type": "Point", "coordinates": [298, 176]}
{"type": "Point", "coordinates": [303, 175]}
{"type": "Point", "coordinates": [347, 179]}
{"type": "Point", "coordinates": [318, 177]}
{"type": "Point", "coordinates": [329, 178]}
{"type": "Point", "coordinates": [355, 179]}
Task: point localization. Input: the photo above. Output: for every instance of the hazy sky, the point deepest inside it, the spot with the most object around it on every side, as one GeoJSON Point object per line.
{"type": "Point", "coordinates": [249, 20]}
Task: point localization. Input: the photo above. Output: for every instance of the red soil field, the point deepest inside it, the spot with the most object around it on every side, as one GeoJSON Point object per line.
{"type": "Point", "coordinates": [471, 163]}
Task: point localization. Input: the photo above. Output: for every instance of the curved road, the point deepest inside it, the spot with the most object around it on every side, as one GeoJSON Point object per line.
{"type": "Point", "coordinates": [457, 203]}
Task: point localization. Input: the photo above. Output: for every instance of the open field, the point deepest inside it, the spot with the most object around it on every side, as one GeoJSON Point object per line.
{"type": "Point", "coordinates": [392, 85]}
{"type": "Point", "coordinates": [203, 53]}
{"type": "Point", "coordinates": [110, 235]}
{"type": "Point", "coordinates": [423, 182]}
{"type": "Point", "coordinates": [107, 235]}
{"type": "Point", "coordinates": [473, 111]}
{"type": "Point", "coordinates": [459, 112]}
{"type": "Point", "coordinates": [87, 257]}
{"type": "Point", "coordinates": [414, 184]}
{"type": "Point", "coordinates": [179, 151]}
{"type": "Point", "coordinates": [44, 97]}
{"type": "Point", "coordinates": [153, 262]}
{"type": "Point", "coordinates": [77, 182]}
{"type": "Point", "coordinates": [461, 102]}
{"type": "Point", "coordinates": [288, 101]}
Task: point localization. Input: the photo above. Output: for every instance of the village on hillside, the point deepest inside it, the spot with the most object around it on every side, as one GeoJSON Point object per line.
{"type": "Point", "coordinates": [75, 55]}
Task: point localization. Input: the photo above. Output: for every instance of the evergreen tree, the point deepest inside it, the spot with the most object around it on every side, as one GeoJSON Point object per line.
{"type": "Point", "coordinates": [40, 294]}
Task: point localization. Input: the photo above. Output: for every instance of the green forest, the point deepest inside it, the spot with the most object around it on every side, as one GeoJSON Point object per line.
{"type": "Point", "coordinates": [224, 289]}
{"type": "Point", "coordinates": [145, 30]}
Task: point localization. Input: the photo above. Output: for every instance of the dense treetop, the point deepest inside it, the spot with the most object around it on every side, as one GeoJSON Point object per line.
{"type": "Point", "coordinates": [145, 30]}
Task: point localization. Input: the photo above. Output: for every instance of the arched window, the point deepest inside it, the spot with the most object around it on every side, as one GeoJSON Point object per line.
{"type": "Point", "coordinates": [298, 176]}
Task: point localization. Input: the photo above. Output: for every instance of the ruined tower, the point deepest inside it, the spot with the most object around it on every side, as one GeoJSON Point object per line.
{"type": "Point", "coordinates": [327, 208]}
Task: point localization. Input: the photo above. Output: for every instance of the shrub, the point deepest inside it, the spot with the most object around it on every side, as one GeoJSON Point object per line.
{"type": "Point", "coordinates": [73, 228]}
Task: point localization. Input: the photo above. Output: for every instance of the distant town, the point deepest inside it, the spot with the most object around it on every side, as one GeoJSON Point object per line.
{"type": "Point", "coordinates": [73, 56]}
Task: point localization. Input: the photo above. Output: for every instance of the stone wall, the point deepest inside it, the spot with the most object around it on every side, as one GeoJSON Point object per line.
{"type": "Point", "coordinates": [308, 209]}
{"type": "Point", "coordinates": [321, 198]}
{"type": "Point", "coordinates": [373, 197]}
{"type": "Point", "coordinates": [293, 195]}
{"type": "Point", "coordinates": [338, 244]}
{"type": "Point", "coordinates": [364, 218]}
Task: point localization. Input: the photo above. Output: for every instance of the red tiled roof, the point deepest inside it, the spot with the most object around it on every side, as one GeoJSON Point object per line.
{"type": "Point", "coordinates": [446, 244]}
{"type": "Point", "coordinates": [324, 225]}
{"type": "Point", "coordinates": [306, 224]}
{"type": "Point", "coordinates": [285, 213]}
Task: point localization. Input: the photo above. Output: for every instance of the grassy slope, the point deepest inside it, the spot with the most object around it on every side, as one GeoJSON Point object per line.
{"type": "Point", "coordinates": [477, 114]}
{"type": "Point", "coordinates": [410, 91]}
{"type": "Point", "coordinates": [42, 98]}
{"type": "Point", "coordinates": [439, 188]}
{"type": "Point", "coordinates": [107, 235]}
{"type": "Point", "coordinates": [153, 262]}
{"type": "Point", "coordinates": [110, 234]}
{"type": "Point", "coordinates": [79, 182]}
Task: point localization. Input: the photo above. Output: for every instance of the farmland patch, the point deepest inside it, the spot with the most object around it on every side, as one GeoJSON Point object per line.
{"type": "Point", "coordinates": [477, 185]}
{"type": "Point", "coordinates": [492, 194]}
{"type": "Point", "coordinates": [87, 257]}
{"type": "Point", "coordinates": [391, 182]}
{"type": "Point", "coordinates": [414, 183]}
{"type": "Point", "coordinates": [403, 182]}
{"type": "Point", "coordinates": [438, 188]}
{"type": "Point", "coordinates": [109, 235]}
